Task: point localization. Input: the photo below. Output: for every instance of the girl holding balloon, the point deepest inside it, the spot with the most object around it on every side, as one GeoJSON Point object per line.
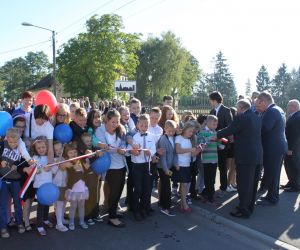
{"type": "Point", "coordinates": [43, 175]}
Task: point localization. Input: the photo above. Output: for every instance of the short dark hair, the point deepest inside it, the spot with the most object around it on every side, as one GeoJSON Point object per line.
{"type": "Point", "coordinates": [134, 100]}
{"type": "Point", "coordinates": [167, 97]}
{"type": "Point", "coordinates": [27, 94]}
{"type": "Point", "coordinates": [201, 118]}
{"type": "Point", "coordinates": [156, 110]}
{"type": "Point", "coordinates": [216, 96]}
{"type": "Point", "coordinates": [42, 111]}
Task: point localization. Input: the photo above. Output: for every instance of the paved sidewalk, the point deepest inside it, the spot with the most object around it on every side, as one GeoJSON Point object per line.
{"type": "Point", "coordinates": [280, 222]}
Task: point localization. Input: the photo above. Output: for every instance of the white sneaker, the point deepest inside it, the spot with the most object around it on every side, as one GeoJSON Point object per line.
{"type": "Point", "coordinates": [84, 225]}
{"type": "Point", "coordinates": [167, 212]}
{"type": "Point", "coordinates": [72, 226]}
{"type": "Point", "coordinates": [230, 189]}
{"type": "Point", "coordinates": [90, 222]}
{"type": "Point", "coordinates": [61, 228]}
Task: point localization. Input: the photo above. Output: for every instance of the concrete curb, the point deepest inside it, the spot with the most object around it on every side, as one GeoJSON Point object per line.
{"type": "Point", "coordinates": [265, 239]}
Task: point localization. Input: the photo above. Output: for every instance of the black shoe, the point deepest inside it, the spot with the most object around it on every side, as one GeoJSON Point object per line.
{"type": "Point", "coordinates": [291, 190]}
{"type": "Point", "coordinates": [265, 202]}
{"type": "Point", "coordinates": [144, 214]}
{"type": "Point", "coordinates": [239, 214]}
{"type": "Point", "coordinates": [285, 186]}
{"type": "Point", "coordinates": [120, 225]}
{"type": "Point", "coordinates": [137, 217]}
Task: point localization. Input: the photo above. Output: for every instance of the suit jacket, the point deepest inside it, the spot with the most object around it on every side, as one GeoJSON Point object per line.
{"type": "Point", "coordinates": [292, 132]}
{"type": "Point", "coordinates": [246, 129]}
{"type": "Point", "coordinates": [224, 117]}
{"type": "Point", "coordinates": [273, 132]}
{"type": "Point", "coordinates": [169, 158]}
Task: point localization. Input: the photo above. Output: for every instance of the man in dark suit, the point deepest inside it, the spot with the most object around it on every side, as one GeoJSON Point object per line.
{"type": "Point", "coordinates": [292, 158]}
{"type": "Point", "coordinates": [224, 119]}
{"type": "Point", "coordinates": [274, 145]}
{"type": "Point", "coordinates": [248, 154]}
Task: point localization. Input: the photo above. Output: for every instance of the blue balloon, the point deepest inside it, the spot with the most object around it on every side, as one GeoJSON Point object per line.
{"type": "Point", "coordinates": [102, 164]}
{"type": "Point", "coordinates": [47, 194]}
{"type": "Point", "coordinates": [63, 133]}
{"type": "Point", "coordinates": [6, 122]}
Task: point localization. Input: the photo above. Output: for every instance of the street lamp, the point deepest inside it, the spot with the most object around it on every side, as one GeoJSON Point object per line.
{"type": "Point", "coordinates": [150, 80]}
{"type": "Point", "coordinates": [53, 51]}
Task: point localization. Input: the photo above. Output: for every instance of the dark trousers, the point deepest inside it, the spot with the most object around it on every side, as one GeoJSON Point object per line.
{"type": "Point", "coordinates": [222, 157]}
{"type": "Point", "coordinates": [129, 186]}
{"type": "Point", "coordinates": [210, 170]}
{"type": "Point", "coordinates": [115, 179]}
{"type": "Point", "coordinates": [247, 177]}
{"type": "Point", "coordinates": [42, 213]}
{"type": "Point", "coordinates": [194, 173]}
{"type": "Point", "coordinates": [165, 190]}
{"type": "Point", "coordinates": [141, 186]}
{"type": "Point", "coordinates": [8, 190]}
{"type": "Point", "coordinates": [292, 169]}
{"type": "Point", "coordinates": [153, 178]}
{"type": "Point", "coordinates": [272, 169]}
{"type": "Point", "coordinates": [92, 203]}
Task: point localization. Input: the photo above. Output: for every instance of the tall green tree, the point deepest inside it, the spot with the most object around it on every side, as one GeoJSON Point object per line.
{"type": "Point", "coordinates": [165, 66]}
{"type": "Point", "coordinates": [263, 80]}
{"type": "Point", "coordinates": [248, 88]}
{"type": "Point", "coordinates": [281, 84]}
{"type": "Point", "coordinates": [294, 87]}
{"type": "Point", "coordinates": [91, 62]}
{"type": "Point", "coordinates": [20, 74]}
{"type": "Point", "coordinates": [221, 79]}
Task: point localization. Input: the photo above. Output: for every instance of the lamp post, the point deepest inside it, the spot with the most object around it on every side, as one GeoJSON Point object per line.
{"type": "Point", "coordinates": [150, 80]}
{"type": "Point", "coordinates": [53, 52]}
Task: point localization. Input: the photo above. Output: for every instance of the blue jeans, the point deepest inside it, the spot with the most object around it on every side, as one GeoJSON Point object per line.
{"type": "Point", "coordinates": [13, 188]}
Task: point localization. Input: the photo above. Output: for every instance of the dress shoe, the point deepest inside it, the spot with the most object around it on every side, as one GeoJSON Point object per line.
{"type": "Point", "coordinates": [285, 186]}
{"type": "Point", "coordinates": [265, 202]}
{"type": "Point", "coordinates": [239, 214]}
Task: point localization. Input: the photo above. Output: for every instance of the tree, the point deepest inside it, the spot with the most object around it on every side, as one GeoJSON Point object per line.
{"type": "Point", "coordinates": [91, 62]}
{"type": "Point", "coordinates": [281, 84]}
{"type": "Point", "coordinates": [263, 80]}
{"type": "Point", "coordinates": [20, 74]}
{"type": "Point", "coordinates": [294, 87]}
{"type": "Point", "coordinates": [222, 80]}
{"type": "Point", "coordinates": [248, 88]}
{"type": "Point", "coordinates": [164, 67]}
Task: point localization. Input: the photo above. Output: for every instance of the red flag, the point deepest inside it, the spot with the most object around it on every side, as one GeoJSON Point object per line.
{"type": "Point", "coordinates": [28, 181]}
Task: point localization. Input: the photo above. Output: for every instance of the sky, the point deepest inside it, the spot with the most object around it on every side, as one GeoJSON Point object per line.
{"type": "Point", "coordinates": [249, 32]}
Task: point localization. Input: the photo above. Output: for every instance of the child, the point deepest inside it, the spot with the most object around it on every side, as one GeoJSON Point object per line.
{"type": "Point", "coordinates": [73, 107]}
{"type": "Point", "coordinates": [166, 162]}
{"type": "Point", "coordinates": [135, 111]}
{"type": "Point", "coordinates": [140, 170]}
{"type": "Point", "coordinates": [10, 158]}
{"type": "Point", "coordinates": [185, 149]}
{"type": "Point", "coordinates": [92, 182]}
{"type": "Point", "coordinates": [77, 191]}
{"type": "Point", "coordinates": [78, 125]}
{"type": "Point", "coordinates": [209, 157]}
{"type": "Point", "coordinates": [43, 175]}
{"type": "Point", "coordinates": [60, 180]}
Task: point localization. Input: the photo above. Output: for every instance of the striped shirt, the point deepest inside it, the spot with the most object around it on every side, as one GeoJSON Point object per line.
{"type": "Point", "coordinates": [210, 152]}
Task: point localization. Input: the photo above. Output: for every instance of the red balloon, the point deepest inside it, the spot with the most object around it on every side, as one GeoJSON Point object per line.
{"type": "Point", "coordinates": [46, 97]}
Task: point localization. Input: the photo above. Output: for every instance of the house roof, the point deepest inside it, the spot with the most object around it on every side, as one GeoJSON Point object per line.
{"type": "Point", "coordinates": [44, 83]}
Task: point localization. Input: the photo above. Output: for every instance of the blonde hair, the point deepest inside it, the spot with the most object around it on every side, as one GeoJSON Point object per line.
{"type": "Point", "coordinates": [187, 126]}
{"type": "Point", "coordinates": [170, 124]}
{"type": "Point", "coordinates": [13, 133]}
{"type": "Point", "coordinates": [64, 108]}
{"type": "Point", "coordinates": [37, 140]}
{"type": "Point", "coordinates": [211, 118]}
{"type": "Point", "coordinates": [144, 117]}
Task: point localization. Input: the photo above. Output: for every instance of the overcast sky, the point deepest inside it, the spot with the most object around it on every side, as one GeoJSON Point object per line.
{"type": "Point", "coordinates": [250, 33]}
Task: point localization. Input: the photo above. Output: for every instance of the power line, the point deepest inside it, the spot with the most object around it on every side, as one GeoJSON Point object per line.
{"type": "Point", "coordinates": [25, 47]}
{"type": "Point", "coordinates": [145, 9]}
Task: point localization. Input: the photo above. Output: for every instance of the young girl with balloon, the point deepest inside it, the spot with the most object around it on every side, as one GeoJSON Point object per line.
{"type": "Point", "coordinates": [43, 175]}
{"type": "Point", "coordinates": [77, 192]}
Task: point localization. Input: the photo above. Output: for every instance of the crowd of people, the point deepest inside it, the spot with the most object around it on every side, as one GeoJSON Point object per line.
{"type": "Point", "coordinates": [153, 149]}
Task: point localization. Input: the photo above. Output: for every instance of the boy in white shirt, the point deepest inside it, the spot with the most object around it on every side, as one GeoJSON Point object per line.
{"type": "Point", "coordinates": [142, 150]}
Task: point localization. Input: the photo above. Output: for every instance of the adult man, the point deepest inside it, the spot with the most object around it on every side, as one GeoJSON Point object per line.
{"type": "Point", "coordinates": [224, 120]}
{"type": "Point", "coordinates": [274, 145]}
{"type": "Point", "coordinates": [292, 158]}
{"type": "Point", "coordinates": [253, 99]}
{"type": "Point", "coordinates": [248, 154]}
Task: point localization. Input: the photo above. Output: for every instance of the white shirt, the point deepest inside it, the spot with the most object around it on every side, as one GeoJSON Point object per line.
{"type": "Point", "coordinates": [23, 150]}
{"type": "Point", "coordinates": [42, 176]}
{"type": "Point", "coordinates": [184, 160]}
{"type": "Point", "coordinates": [59, 176]}
{"type": "Point", "coordinates": [131, 124]}
{"type": "Point", "coordinates": [156, 131]}
{"type": "Point", "coordinates": [218, 108]}
{"type": "Point", "coordinates": [150, 144]}
{"type": "Point", "coordinates": [171, 140]}
{"type": "Point", "coordinates": [45, 130]}
{"type": "Point", "coordinates": [117, 160]}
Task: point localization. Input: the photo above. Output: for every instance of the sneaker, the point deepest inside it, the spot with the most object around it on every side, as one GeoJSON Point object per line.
{"type": "Point", "coordinates": [42, 231]}
{"type": "Point", "coordinates": [84, 225]}
{"type": "Point", "coordinates": [167, 212]}
{"type": "Point", "coordinates": [12, 222]}
{"type": "Point", "coordinates": [48, 224]}
{"type": "Point", "coordinates": [90, 222]}
{"type": "Point", "coordinates": [230, 189]}
{"type": "Point", "coordinates": [61, 228]}
{"type": "Point", "coordinates": [21, 229]}
{"type": "Point", "coordinates": [71, 226]}
{"type": "Point", "coordinates": [4, 233]}
{"type": "Point", "coordinates": [174, 191]}
{"type": "Point", "coordinates": [98, 219]}
{"type": "Point", "coordinates": [28, 228]}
